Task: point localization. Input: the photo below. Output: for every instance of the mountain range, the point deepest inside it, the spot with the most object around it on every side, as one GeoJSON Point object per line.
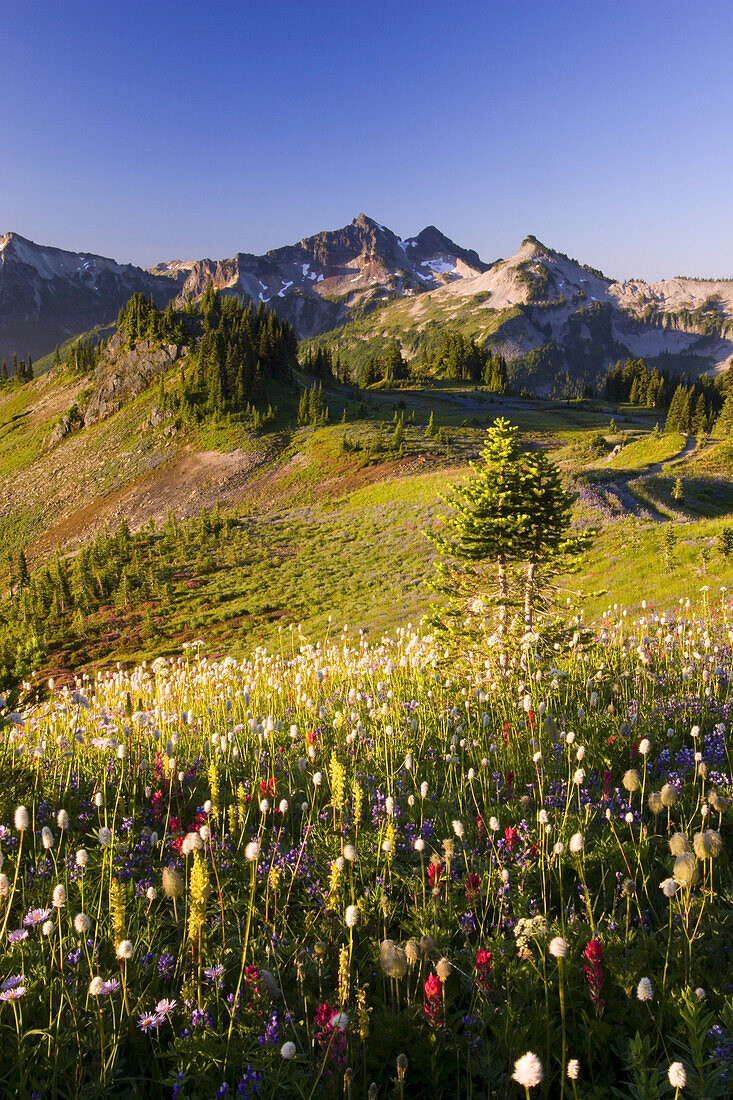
{"type": "Point", "coordinates": [362, 285]}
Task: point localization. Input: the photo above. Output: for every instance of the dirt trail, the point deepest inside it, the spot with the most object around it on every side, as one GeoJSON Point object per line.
{"type": "Point", "coordinates": [617, 491]}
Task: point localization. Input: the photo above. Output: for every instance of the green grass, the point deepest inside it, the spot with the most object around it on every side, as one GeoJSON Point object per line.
{"type": "Point", "coordinates": [647, 451]}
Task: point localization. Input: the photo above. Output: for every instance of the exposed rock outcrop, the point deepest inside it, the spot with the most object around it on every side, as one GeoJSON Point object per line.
{"type": "Point", "coordinates": [123, 374]}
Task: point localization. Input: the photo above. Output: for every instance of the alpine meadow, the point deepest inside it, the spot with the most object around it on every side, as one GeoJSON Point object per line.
{"type": "Point", "coordinates": [366, 602]}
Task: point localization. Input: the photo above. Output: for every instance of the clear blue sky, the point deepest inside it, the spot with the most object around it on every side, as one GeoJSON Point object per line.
{"type": "Point", "coordinates": [153, 130]}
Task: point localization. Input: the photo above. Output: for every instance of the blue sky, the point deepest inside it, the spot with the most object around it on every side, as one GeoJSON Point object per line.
{"type": "Point", "coordinates": [148, 131]}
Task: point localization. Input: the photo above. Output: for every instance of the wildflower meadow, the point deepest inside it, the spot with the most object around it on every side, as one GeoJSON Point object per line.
{"type": "Point", "coordinates": [356, 869]}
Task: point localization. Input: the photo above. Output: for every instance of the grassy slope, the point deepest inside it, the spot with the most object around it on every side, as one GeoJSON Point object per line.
{"type": "Point", "coordinates": [319, 532]}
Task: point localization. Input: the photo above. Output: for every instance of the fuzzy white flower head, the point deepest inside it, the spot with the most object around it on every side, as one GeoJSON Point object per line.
{"type": "Point", "coordinates": [580, 754]}
{"type": "Point", "coordinates": [47, 928]}
{"type": "Point", "coordinates": [62, 819]}
{"type": "Point", "coordinates": [125, 949]}
{"type": "Point", "coordinates": [458, 829]}
{"type": "Point", "coordinates": [82, 857]}
{"type": "Point", "coordinates": [205, 832]}
{"type": "Point", "coordinates": [419, 844]}
{"type": "Point", "coordinates": [443, 969]}
{"type": "Point", "coordinates": [528, 1071]}
{"type": "Point", "coordinates": [505, 876]}
{"type": "Point", "coordinates": [4, 886]}
{"type": "Point", "coordinates": [543, 817]}
{"type": "Point", "coordinates": [46, 837]}
{"type": "Point", "coordinates": [349, 852]}
{"type": "Point", "coordinates": [288, 1051]}
{"type": "Point", "coordinates": [644, 990]}
{"type": "Point", "coordinates": [579, 777]}
{"type": "Point", "coordinates": [423, 790]}
{"type": "Point", "coordinates": [339, 1021]}
{"type": "Point", "coordinates": [82, 923]}
{"type": "Point", "coordinates": [351, 916]}
{"type": "Point", "coordinates": [59, 896]}
{"type": "Point", "coordinates": [317, 779]}
{"type": "Point", "coordinates": [668, 887]}
{"type": "Point", "coordinates": [105, 837]}
{"type": "Point", "coordinates": [573, 1069]}
{"type": "Point", "coordinates": [192, 842]}
{"type": "Point", "coordinates": [96, 987]}
{"type": "Point", "coordinates": [208, 806]}
{"type": "Point", "coordinates": [694, 732]}
{"type": "Point", "coordinates": [21, 819]}
{"type": "Point", "coordinates": [493, 824]}
{"type": "Point", "coordinates": [677, 1073]}
{"type": "Point", "coordinates": [284, 806]}
{"type": "Point", "coordinates": [252, 850]}
{"type": "Point", "coordinates": [99, 800]}
{"type": "Point", "coordinates": [644, 746]}
{"type": "Point", "coordinates": [569, 738]}
{"type": "Point", "coordinates": [576, 843]}
{"type": "Point", "coordinates": [559, 848]}
{"type": "Point", "coordinates": [558, 947]}
{"type": "Point", "coordinates": [151, 893]}
{"type": "Point", "coordinates": [629, 818]}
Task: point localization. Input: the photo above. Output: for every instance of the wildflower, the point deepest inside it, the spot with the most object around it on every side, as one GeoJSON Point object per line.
{"type": "Point", "coordinates": [433, 992]}
{"type": "Point", "coordinates": [4, 886]}
{"type": "Point", "coordinates": [82, 857]}
{"type": "Point", "coordinates": [458, 829]}
{"type": "Point", "coordinates": [18, 935]}
{"type": "Point", "coordinates": [252, 850]}
{"type": "Point", "coordinates": [573, 1069]}
{"type": "Point", "coordinates": [192, 842]}
{"type": "Point", "coordinates": [46, 837]}
{"type": "Point", "coordinates": [644, 991]}
{"type": "Point", "coordinates": [412, 952]}
{"type": "Point", "coordinates": [21, 819]}
{"type": "Point", "coordinates": [351, 916]}
{"type": "Point", "coordinates": [13, 994]}
{"type": "Point", "coordinates": [172, 883]}
{"type": "Point", "coordinates": [392, 959]}
{"type": "Point", "coordinates": [631, 780]}
{"type": "Point", "coordinates": [419, 844]}
{"type": "Point", "coordinates": [165, 1007]}
{"type": "Point", "coordinates": [669, 795]}
{"type": "Point", "coordinates": [558, 947]}
{"type": "Point", "coordinates": [36, 916]}
{"type": "Point", "coordinates": [339, 1021]}
{"type": "Point", "coordinates": [147, 1021]}
{"type": "Point", "coordinates": [593, 972]}
{"type": "Point", "coordinates": [685, 869]}
{"type": "Point", "coordinates": [579, 777]}
{"type": "Point", "coordinates": [528, 1071]}
{"type": "Point", "coordinates": [426, 944]}
{"type": "Point", "coordinates": [678, 843]}
{"type": "Point", "coordinates": [47, 928]}
{"type": "Point", "coordinates": [668, 887]}
{"type": "Point", "coordinates": [677, 1075]}
{"type": "Point", "coordinates": [576, 843]}
{"type": "Point", "coordinates": [105, 837]}
{"type": "Point", "coordinates": [125, 950]}
{"type": "Point", "coordinates": [96, 987]}
{"type": "Point", "coordinates": [655, 803]}
{"type": "Point", "coordinates": [288, 1051]}
{"type": "Point", "coordinates": [443, 969]}
{"type": "Point", "coordinates": [317, 779]}
{"type": "Point", "coordinates": [423, 790]}
{"type": "Point", "coordinates": [559, 848]}
{"type": "Point", "coordinates": [349, 852]}
{"type": "Point", "coordinates": [59, 896]}
{"type": "Point", "coordinates": [82, 923]}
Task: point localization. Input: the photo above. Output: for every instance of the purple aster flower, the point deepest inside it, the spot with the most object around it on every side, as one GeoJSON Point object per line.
{"type": "Point", "coordinates": [111, 986]}
{"type": "Point", "coordinates": [36, 916]}
{"type": "Point", "coordinates": [13, 994]}
{"type": "Point", "coordinates": [12, 982]}
{"type": "Point", "coordinates": [147, 1021]}
{"type": "Point", "coordinates": [215, 974]}
{"type": "Point", "coordinates": [18, 935]}
{"type": "Point", "coordinates": [164, 1008]}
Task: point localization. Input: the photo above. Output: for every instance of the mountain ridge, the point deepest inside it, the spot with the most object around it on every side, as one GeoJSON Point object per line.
{"type": "Point", "coordinates": [538, 302]}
